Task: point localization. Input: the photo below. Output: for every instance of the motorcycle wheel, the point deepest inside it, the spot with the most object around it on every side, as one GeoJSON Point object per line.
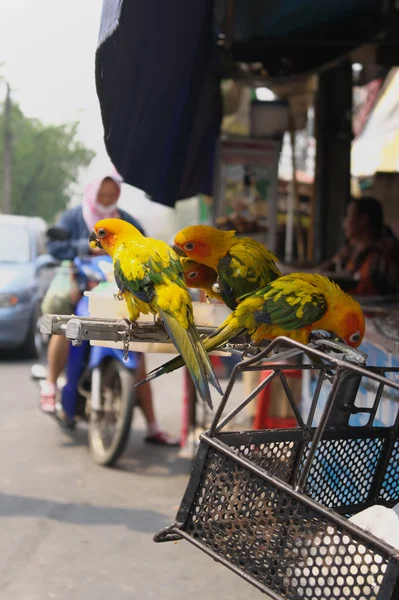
{"type": "Point", "coordinates": [109, 428]}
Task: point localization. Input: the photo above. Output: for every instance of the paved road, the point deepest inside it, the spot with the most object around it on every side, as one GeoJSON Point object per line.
{"type": "Point", "coordinates": [72, 530]}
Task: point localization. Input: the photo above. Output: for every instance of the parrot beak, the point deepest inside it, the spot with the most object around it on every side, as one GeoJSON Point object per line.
{"type": "Point", "coordinates": [179, 251]}
{"type": "Point", "coordinates": [94, 242]}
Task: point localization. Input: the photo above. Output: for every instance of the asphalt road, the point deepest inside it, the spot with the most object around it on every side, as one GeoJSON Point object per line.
{"type": "Point", "coordinates": [73, 530]}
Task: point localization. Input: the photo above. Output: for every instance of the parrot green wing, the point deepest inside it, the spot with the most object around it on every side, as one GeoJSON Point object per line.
{"type": "Point", "coordinates": [140, 266]}
{"type": "Point", "coordinates": [142, 288]}
{"type": "Point", "coordinates": [247, 267]}
{"type": "Point", "coordinates": [291, 306]}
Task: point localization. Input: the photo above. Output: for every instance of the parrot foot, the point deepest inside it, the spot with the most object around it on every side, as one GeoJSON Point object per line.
{"type": "Point", "coordinates": [118, 296]}
{"type": "Point", "coordinates": [130, 324]}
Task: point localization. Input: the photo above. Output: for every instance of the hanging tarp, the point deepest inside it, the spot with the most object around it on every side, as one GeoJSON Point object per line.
{"type": "Point", "coordinates": [158, 75]}
{"type": "Point", "coordinates": [158, 86]}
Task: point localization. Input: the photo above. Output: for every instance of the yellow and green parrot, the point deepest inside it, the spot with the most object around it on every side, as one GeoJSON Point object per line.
{"type": "Point", "coordinates": [242, 264]}
{"type": "Point", "coordinates": [149, 276]}
{"type": "Point", "coordinates": [200, 277]}
{"type": "Point", "coordinates": [292, 306]}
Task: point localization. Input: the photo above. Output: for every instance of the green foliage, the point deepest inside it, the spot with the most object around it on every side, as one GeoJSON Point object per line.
{"type": "Point", "coordinates": [45, 163]}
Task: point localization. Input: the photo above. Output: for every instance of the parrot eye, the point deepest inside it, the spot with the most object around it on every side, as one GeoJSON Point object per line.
{"type": "Point", "coordinates": [102, 233]}
{"type": "Point", "coordinates": [355, 337]}
{"type": "Point", "coordinates": [189, 246]}
{"type": "Point", "coordinates": [192, 274]}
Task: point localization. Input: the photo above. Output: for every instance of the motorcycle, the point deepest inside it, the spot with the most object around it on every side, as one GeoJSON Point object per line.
{"type": "Point", "coordinates": [99, 385]}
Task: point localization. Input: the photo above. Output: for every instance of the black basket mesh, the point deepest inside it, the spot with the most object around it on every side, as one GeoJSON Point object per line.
{"type": "Point", "coordinates": [343, 474]}
{"type": "Point", "coordinates": [272, 505]}
{"type": "Point", "coordinates": [390, 485]}
{"type": "Point", "coordinates": [277, 458]}
{"type": "Point", "coordinates": [343, 471]}
{"type": "Point", "coordinates": [281, 542]}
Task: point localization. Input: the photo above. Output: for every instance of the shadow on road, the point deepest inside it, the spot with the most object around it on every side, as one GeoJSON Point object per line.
{"type": "Point", "coordinates": [139, 458]}
{"type": "Point", "coordinates": [142, 520]}
{"type": "Point", "coordinates": [152, 461]}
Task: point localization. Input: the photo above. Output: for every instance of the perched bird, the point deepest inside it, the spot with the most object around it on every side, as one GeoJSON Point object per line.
{"type": "Point", "coordinates": [149, 276]}
{"type": "Point", "coordinates": [242, 264]}
{"type": "Point", "coordinates": [201, 277]}
{"type": "Point", "coordinates": [293, 305]}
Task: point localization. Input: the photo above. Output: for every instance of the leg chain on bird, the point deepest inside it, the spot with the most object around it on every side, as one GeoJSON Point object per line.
{"type": "Point", "coordinates": [126, 345]}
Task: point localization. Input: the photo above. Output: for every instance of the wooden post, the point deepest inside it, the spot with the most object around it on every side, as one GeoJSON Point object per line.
{"type": "Point", "coordinates": [334, 137]}
{"type": "Point", "coordinates": [295, 196]}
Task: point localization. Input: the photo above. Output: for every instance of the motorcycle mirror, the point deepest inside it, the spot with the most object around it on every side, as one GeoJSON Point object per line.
{"type": "Point", "coordinates": [58, 234]}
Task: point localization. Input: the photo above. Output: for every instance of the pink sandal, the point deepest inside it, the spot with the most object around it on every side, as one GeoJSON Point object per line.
{"type": "Point", "coordinates": [47, 397]}
{"type": "Point", "coordinates": [162, 438]}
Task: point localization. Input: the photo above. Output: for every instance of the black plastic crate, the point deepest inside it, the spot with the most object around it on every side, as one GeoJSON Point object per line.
{"type": "Point", "coordinates": [272, 505]}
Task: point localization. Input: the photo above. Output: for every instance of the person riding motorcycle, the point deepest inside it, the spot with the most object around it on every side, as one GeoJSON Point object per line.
{"type": "Point", "coordinates": [100, 200]}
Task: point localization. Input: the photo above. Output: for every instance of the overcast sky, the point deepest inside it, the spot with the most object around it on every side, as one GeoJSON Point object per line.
{"type": "Point", "coordinates": [47, 49]}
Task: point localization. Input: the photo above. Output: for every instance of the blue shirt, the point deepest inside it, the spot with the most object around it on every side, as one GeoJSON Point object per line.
{"type": "Point", "coordinates": [72, 220]}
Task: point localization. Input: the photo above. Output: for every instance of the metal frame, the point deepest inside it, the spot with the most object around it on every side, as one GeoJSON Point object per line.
{"type": "Point", "coordinates": [333, 425]}
{"type": "Point", "coordinates": [79, 329]}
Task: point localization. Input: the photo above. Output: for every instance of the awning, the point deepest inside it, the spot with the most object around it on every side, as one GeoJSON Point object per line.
{"type": "Point", "coordinates": [377, 147]}
{"type": "Point", "coordinates": [158, 73]}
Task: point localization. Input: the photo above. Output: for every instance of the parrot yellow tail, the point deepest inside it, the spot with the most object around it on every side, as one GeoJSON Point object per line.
{"type": "Point", "coordinates": [227, 331]}
{"type": "Point", "coordinates": [188, 343]}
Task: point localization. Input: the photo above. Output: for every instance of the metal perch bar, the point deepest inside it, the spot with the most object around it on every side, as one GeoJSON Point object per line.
{"type": "Point", "coordinates": [78, 329]}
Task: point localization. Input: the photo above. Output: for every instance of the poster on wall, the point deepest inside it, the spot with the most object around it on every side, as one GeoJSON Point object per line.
{"type": "Point", "coordinates": [246, 188]}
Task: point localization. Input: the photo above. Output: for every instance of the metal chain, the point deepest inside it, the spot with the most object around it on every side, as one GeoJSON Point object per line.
{"type": "Point", "coordinates": [126, 345]}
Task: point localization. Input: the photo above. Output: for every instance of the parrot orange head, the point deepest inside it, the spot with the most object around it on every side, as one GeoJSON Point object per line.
{"type": "Point", "coordinates": [353, 325]}
{"type": "Point", "coordinates": [197, 275]}
{"type": "Point", "coordinates": [109, 234]}
{"type": "Point", "coordinates": [344, 315]}
{"type": "Point", "coordinates": [204, 244]}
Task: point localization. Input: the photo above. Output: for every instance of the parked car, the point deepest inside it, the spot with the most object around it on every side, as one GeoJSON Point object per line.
{"type": "Point", "coordinates": [26, 270]}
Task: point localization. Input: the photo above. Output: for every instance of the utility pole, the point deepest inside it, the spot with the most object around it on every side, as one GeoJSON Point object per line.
{"type": "Point", "coordinates": [7, 153]}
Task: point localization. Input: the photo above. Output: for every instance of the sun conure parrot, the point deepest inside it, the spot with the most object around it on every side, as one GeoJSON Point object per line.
{"type": "Point", "coordinates": [149, 276]}
{"type": "Point", "coordinates": [242, 264]}
{"type": "Point", "coordinates": [200, 277]}
{"type": "Point", "coordinates": [293, 306]}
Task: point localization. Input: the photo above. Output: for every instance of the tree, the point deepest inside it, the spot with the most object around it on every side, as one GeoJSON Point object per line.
{"type": "Point", "coordinates": [45, 163]}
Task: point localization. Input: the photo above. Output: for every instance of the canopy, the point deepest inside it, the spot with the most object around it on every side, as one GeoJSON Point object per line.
{"type": "Point", "coordinates": [158, 72]}
{"type": "Point", "coordinates": [377, 147]}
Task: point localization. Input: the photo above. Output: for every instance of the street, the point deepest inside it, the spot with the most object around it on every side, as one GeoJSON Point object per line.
{"type": "Point", "coordinates": [71, 529]}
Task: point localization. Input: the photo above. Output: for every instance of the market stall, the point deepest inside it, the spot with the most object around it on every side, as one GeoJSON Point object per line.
{"type": "Point", "coordinates": [272, 505]}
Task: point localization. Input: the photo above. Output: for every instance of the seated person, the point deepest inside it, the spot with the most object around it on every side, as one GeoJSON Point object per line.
{"type": "Point", "coordinates": [371, 252]}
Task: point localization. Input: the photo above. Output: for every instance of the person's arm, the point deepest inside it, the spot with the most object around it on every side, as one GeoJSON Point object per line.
{"type": "Point", "coordinates": [332, 263]}
{"type": "Point", "coordinates": [68, 249]}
